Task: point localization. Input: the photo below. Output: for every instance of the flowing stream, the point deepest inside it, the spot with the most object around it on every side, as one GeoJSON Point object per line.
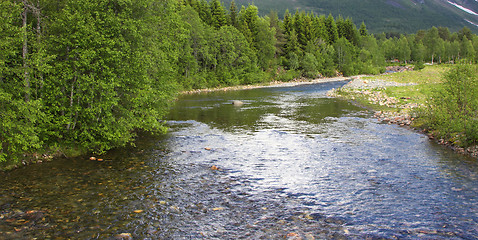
{"type": "Point", "coordinates": [290, 163]}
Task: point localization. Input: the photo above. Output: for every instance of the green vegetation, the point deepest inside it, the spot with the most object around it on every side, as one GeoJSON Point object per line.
{"type": "Point", "coordinates": [86, 75]}
{"type": "Point", "coordinates": [413, 87]}
{"type": "Point", "coordinates": [424, 83]}
{"type": "Point", "coordinates": [397, 16]}
{"type": "Point", "coordinates": [430, 74]}
{"type": "Point", "coordinates": [444, 100]}
{"type": "Point", "coordinates": [452, 113]}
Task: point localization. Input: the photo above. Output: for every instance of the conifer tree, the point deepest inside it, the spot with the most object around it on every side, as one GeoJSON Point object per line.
{"type": "Point", "coordinates": [465, 32]}
{"type": "Point", "coordinates": [319, 26]}
{"type": "Point", "coordinates": [251, 18]}
{"type": "Point", "coordinates": [233, 14]}
{"type": "Point", "coordinates": [205, 12]}
{"type": "Point", "coordinates": [288, 22]}
{"type": "Point", "coordinates": [331, 28]}
{"type": "Point", "coordinates": [293, 45]}
{"type": "Point", "coordinates": [300, 28]}
{"type": "Point", "coordinates": [363, 30]}
{"type": "Point", "coordinates": [307, 32]}
{"type": "Point", "coordinates": [218, 14]}
{"type": "Point", "coordinates": [341, 28]}
{"type": "Point", "coordinates": [351, 32]}
{"type": "Point", "coordinates": [280, 36]}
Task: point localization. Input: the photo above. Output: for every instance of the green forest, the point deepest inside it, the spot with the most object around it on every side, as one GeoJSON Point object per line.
{"type": "Point", "coordinates": [399, 16]}
{"type": "Point", "coordinates": [88, 75]}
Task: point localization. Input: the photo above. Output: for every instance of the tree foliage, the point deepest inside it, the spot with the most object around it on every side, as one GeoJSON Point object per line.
{"type": "Point", "coordinates": [453, 111]}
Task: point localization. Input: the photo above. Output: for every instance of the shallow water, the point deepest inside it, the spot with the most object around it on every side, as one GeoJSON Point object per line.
{"type": "Point", "coordinates": [291, 163]}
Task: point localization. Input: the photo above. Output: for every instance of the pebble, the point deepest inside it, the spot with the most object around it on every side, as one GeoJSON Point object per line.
{"type": "Point", "coordinates": [373, 84]}
{"type": "Point", "coordinates": [124, 236]}
{"type": "Point", "coordinates": [371, 89]}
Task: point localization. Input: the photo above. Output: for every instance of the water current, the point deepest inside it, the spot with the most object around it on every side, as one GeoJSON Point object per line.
{"type": "Point", "coordinates": [291, 163]}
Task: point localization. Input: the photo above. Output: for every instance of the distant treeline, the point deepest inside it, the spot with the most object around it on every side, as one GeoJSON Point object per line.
{"type": "Point", "coordinates": [86, 74]}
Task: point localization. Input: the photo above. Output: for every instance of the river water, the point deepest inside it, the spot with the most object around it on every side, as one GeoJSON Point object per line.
{"type": "Point", "coordinates": [290, 163]}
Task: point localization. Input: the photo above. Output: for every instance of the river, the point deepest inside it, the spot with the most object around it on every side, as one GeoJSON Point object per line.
{"type": "Point", "coordinates": [291, 163]}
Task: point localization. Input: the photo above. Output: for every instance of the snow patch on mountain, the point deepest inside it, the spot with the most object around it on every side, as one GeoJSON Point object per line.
{"type": "Point", "coordinates": [464, 8]}
{"type": "Point", "coordinates": [472, 23]}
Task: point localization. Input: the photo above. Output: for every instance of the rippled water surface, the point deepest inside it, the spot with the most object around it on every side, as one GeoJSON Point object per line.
{"type": "Point", "coordinates": [290, 163]}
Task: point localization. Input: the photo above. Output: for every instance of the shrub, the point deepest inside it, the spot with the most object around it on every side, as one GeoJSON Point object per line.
{"type": "Point", "coordinates": [18, 127]}
{"type": "Point", "coordinates": [288, 75]}
{"type": "Point", "coordinates": [453, 109]}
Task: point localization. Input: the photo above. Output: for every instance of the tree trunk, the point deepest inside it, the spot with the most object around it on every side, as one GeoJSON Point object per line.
{"type": "Point", "coordinates": [25, 52]}
{"type": "Point", "coordinates": [72, 94]}
{"type": "Point", "coordinates": [39, 34]}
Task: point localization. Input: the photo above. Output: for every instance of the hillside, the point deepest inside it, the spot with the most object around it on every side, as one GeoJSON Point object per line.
{"type": "Point", "coordinates": [406, 16]}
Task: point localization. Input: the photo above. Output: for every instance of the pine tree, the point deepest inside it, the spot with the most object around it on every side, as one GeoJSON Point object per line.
{"type": "Point", "coordinates": [280, 36]}
{"type": "Point", "coordinates": [288, 22]}
{"type": "Point", "coordinates": [346, 28]}
{"type": "Point", "coordinates": [331, 28]}
{"type": "Point", "coordinates": [363, 30]}
{"type": "Point", "coordinates": [251, 18]}
{"type": "Point", "coordinates": [293, 45]}
{"type": "Point", "coordinates": [218, 14]}
{"type": "Point", "coordinates": [341, 28]}
{"type": "Point", "coordinates": [205, 12]}
{"type": "Point", "coordinates": [319, 26]}
{"type": "Point", "coordinates": [233, 14]}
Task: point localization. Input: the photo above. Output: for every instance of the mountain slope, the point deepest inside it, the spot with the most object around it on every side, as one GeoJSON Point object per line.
{"type": "Point", "coordinates": [404, 16]}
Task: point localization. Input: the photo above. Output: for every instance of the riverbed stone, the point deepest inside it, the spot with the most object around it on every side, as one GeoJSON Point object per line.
{"type": "Point", "coordinates": [124, 236]}
{"type": "Point", "coordinates": [237, 103]}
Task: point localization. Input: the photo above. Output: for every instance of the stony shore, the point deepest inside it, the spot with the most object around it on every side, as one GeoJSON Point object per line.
{"type": "Point", "coordinates": [371, 91]}
{"type": "Point", "coordinates": [295, 82]}
{"type": "Point", "coordinates": [402, 113]}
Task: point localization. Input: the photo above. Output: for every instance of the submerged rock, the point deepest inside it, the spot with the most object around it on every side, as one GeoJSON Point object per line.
{"type": "Point", "coordinates": [237, 103]}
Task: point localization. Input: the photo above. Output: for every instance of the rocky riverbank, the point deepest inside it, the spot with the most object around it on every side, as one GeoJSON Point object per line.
{"type": "Point", "coordinates": [391, 110]}
{"type": "Point", "coordinates": [295, 82]}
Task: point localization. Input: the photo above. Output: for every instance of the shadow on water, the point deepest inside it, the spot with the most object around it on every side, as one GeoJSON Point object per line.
{"type": "Point", "coordinates": [289, 163]}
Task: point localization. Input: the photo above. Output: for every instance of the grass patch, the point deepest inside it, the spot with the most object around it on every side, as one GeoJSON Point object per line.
{"type": "Point", "coordinates": [430, 74]}
{"type": "Point", "coordinates": [400, 98]}
{"type": "Point", "coordinates": [443, 101]}
{"type": "Point", "coordinates": [419, 94]}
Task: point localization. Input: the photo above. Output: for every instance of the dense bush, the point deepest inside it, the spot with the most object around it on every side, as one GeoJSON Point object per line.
{"type": "Point", "coordinates": [287, 76]}
{"type": "Point", "coordinates": [453, 110]}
